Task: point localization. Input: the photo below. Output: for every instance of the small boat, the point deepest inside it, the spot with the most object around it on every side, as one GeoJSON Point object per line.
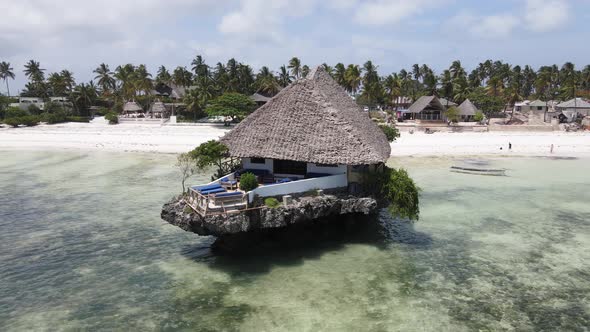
{"type": "Point", "coordinates": [478, 171]}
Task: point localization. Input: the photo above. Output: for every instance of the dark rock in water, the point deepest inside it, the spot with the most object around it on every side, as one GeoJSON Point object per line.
{"type": "Point", "coordinates": [303, 210]}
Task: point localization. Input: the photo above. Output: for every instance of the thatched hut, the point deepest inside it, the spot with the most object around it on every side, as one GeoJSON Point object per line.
{"type": "Point", "coordinates": [132, 107]}
{"type": "Point", "coordinates": [311, 129]}
{"type": "Point", "coordinates": [259, 99]}
{"type": "Point", "coordinates": [427, 108]}
{"type": "Point", "coordinates": [467, 110]}
{"type": "Point", "coordinates": [158, 110]}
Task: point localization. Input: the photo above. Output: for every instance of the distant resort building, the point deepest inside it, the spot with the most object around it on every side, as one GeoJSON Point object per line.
{"type": "Point", "coordinates": [467, 111]}
{"type": "Point", "coordinates": [447, 103]}
{"type": "Point", "coordinates": [426, 108]}
{"type": "Point", "coordinates": [169, 90]}
{"type": "Point", "coordinates": [25, 103]}
{"type": "Point", "coordinates": [310, 136]}
{"type": "Point", "coordinates": [574, 107]}
{"type": "Point", "coordinates": [259, 99]}
{"type": "Point", "coordinates": [132, 110]}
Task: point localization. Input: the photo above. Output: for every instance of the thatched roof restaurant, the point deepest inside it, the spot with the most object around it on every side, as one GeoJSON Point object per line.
{"type": "Point", "coordinates": [310, 136]}
{"type": "Point", "coordinates": [428, 108]}
{"type": "Point", "coordinates": [132, 107]}
{"type": "Point", "coordinates": [312, 120]}
{"type": "Point", "coordinates": [467, 109]}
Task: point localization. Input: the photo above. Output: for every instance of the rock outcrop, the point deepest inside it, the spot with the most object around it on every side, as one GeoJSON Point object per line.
{"type": "Point", "coordinates": [303, 210]}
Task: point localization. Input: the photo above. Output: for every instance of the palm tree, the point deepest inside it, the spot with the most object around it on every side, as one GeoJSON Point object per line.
{"type": "Point", "coordinates": [353, 78]}
{"type": "Point", "coordinates": [266, 82]}
{"type": "Point", "coordinates": [284, 77]}
{"type": "Point", "coordinates": [295, 67]}
{"type": "Point", "coordinates": [198, 96]}
{"type": "Point", "coordinates": [305, 71]}
{"type": "Point", "coordinates": [56, 84]}
{"type": "Point", "coordinates": [182, 77]}
{"type": "Point", "coordinates": [142, 80]}
{"type": "Point", "coordinates": [245, 79]}
{"type": "Point", "coordinates": [340, 74]}
{"type": "Point", "coordinates": [6, 72]}
{"type": "Point", "coordinates": [34, 71]}
{"type": "Point", "coordinates": [392, 85]}
{"type": "Point", "coordinates": [328, 69]}
{"type": "Point", "coordinates": [84, 96]}
{"type": "Point", "coordinates": [446, 84]}
{"type": "Point", "coordinates": [125, 75]}
{"type": "Point", "coordinates": [163, 75]}
{"type": "Point", "coordinates": [199, 67]}
{"type": "Point", "coordinates": [105, 79]}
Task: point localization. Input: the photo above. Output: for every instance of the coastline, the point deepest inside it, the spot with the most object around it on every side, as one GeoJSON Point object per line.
{"type": "Point", "coordinates": [176, 139]}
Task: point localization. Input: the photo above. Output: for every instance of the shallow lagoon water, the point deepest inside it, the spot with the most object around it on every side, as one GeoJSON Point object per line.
{"type": "Point", "coordinates": [82, 247]}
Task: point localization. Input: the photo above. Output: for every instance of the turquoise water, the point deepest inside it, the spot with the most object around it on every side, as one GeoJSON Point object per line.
{"type": "Point", "coordinates": [82, 247]}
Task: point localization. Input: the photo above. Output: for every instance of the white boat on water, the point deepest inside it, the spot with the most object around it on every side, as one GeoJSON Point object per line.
{"type": "Point", "coordinates": [479, 171]}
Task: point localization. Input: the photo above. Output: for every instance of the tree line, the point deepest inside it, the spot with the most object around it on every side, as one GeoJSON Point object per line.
{"type": "Point", "coordinates": [491, 85]}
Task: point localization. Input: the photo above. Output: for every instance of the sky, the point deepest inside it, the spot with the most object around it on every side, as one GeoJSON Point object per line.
{"type": "Point", "coordinates": [78, 35]}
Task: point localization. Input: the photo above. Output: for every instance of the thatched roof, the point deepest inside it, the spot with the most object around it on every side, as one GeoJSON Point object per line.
{"type": "Point", "coordinates": [538, 103]}
{"type": "Point", "coordinates": [575, 103]}
{"type": "Point", "coordinates": [467, 108]}
{"type": "Point", "coordinates": [158, 107]}
{"type": "Point", "coordinates": [131, 107]}
{"type": "Point", "coordinates": [447, 103]}
{"type": "Point", "coordinates": [426, 102]}
{"type": "Point", "coordinates": [312, 120]}
{"type": "Point", "coordinates": [257, 97]}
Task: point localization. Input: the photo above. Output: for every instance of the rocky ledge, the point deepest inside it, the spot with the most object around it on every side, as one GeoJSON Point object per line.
{"type": "Point", "coordinates": [302, 210]}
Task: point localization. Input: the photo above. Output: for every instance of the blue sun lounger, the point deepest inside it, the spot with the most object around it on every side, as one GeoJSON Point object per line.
{"type": "Point", "coordinates": [206, 187]}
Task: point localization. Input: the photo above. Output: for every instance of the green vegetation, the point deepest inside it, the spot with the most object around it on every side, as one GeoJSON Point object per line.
{"type": "Point", "coordinates": [187, 167]}
{"type": "Point", "coordinates": [233, 105]}
{"type": "Point", "coordinates": [453, 114]}
{"type": "Point", "coordinates": [478, 117]}
{"type": "Point", "coordinates": [112, 118]}
{"type": "Point", "coordinates": [248, 182]}
{"type": "Point", "coordinates": [211, 153]}
{"type": "Point", "coordinates": [390, 132]}
{"type": "Point", "coordinates": [272, 202]}
{"type": "Point", "coordinates": [27, 120]}
{"type": "Point", "coordinates": [398, 189]}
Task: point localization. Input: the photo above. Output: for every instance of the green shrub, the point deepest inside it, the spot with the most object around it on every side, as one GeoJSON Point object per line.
{"type": "Point", "coordinates": [398, 189]}
{"type": "Point", "coordinates": [248, 182]}
{"type": "Point", "coordinates": [390, 132]}
{"type": "Point", "coordinates": [112, 118]}
{"type": "Point", "coordinates": [78, 119]}
{"type": "Point", "coordinates": [453, 114]}
{"type": "Point", "coordinates": [34, 109]}
{"type": "Point", "coordinates": [272, 203]}
{"type": "Point", "coordinates": [101, 111]}
{"type": "Point", "coordinates": [27, 120]}
{"type": "Point", "coordinates": [15, 112]}
{"type": "Point", "coordinates": [53, 118]}
{"type": "Point", "coordinates": [478, 117]}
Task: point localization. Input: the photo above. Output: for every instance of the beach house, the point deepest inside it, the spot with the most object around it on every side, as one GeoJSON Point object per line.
{"type": "Point", "coordinates": [573, 107]}
{"type": "Point", "coordinates": [467, 110]}
{"type": "Point", "coordinates": [427, 108]}
{"type": "Point", "coordinates": [311, 136]}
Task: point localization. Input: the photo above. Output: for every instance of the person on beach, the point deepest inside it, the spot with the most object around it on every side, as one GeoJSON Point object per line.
{"type": "Point", "coordinates": [551, 148]}
{"type": "Point", "coordinates": [509, 146]}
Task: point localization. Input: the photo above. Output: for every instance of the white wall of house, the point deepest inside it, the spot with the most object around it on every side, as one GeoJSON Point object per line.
{"type": "Point", "coordinates": [300, 186]}
{"type": "Point", "coordinates": [316, 168]}
{"type": "Point", "coordinates": [247, 164]}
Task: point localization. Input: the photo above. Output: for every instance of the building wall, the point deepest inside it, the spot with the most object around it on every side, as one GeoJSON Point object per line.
{"type": "Point", "coordinates": [300, 186]}
{"type": "Point", "coordinates": [268, 165]}
{"type": "Point", "coordinates": [314, 168]}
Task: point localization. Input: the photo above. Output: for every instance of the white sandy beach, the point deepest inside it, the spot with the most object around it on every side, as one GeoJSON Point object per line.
{"type": "Point", "coordinates": [176, 139]}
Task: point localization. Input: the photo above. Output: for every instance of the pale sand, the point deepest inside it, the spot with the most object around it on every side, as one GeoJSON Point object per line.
{"type": "Point", "coordinates": [176, 139]}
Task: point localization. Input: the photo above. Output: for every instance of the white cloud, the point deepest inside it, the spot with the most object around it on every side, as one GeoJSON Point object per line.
{"type": "Point", "coordinates": [495, 26]}
{"type": "Point", "coordinates": [262, 20]}
{"type": "Point", "coordinates": [382, 12]}
{"type": "Point", "coordinates": [545, 15]}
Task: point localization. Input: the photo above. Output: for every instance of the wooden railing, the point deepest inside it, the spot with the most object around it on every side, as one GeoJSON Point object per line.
{"type": "Point", "coordinates": [200, 203]}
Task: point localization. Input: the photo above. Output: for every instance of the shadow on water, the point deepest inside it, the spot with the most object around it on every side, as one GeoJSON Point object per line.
{"type": "Point", "coordinates": [258, 252]}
